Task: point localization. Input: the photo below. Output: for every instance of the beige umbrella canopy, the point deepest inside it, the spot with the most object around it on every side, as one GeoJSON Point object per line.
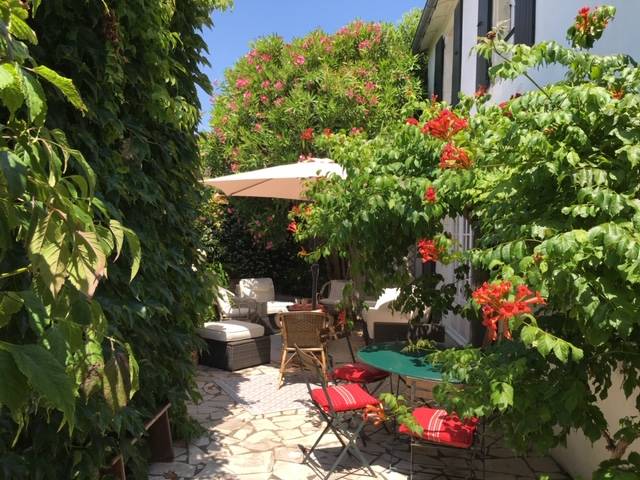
{"type": "Point", "coordinates": [283, 181]}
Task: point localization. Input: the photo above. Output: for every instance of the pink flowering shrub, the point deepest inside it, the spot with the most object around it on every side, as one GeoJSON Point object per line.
{"type": "Point", "coordinates": [338, 82]}
{"type": "Point", "coordinates": [280, 101]}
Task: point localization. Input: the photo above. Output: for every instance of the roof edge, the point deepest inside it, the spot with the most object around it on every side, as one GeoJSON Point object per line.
{"type": "Point", "coordinates": [423, 24]}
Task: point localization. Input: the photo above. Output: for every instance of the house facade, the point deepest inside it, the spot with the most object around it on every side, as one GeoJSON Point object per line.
{"type": "Point", "coordinates": [447, 33]}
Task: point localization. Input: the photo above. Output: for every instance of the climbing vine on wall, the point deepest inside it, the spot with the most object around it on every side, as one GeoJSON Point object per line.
{"type": "Point", "coordinates": [98, 122]}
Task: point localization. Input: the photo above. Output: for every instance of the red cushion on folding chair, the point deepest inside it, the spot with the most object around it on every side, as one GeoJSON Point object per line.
{"type": "Point", "coordinates": [358, 373]}
{"type": "Point", "coordinates": [440, 427]}
{"type": "Point", "coordinates": [343, 398]}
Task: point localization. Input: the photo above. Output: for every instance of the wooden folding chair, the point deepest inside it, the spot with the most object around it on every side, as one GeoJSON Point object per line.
{"type": "Point", "coordinates": [445, 431]}
{"type": "Point", "coordinates": [338, 405]}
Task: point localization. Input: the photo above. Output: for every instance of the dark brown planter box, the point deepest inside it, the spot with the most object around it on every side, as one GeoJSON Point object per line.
{"type": "Point", "coordinates": [237, 354]}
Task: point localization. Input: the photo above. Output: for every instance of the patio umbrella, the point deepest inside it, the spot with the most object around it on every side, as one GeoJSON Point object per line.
{"type": "Point", "coordinates": [282, 181]}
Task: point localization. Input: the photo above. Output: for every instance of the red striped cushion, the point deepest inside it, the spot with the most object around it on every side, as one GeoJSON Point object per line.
{"type": "Point", "coordinates": [343, 398]}
{"type": "Point", "coordinates": [441, 427]}
{"type": "Point", "coordinates": [358, 373]}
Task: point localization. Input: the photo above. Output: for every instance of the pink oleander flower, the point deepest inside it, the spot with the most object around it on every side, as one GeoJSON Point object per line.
{"type": "Point", "coordinates": [370, 86]}
{"type": "Point", "coordinates": [259, 68]}
{"type": "Point", "coordinates": [264, 99]}
{"type": "Point", "coordinates": [299, 60]}
{"type": "Point", "coordinates": [278, 101]}
{"type": "Point", "coordinates": [257, 127]}
{"type": "Point", "coordinates": [265, 84]}
{"type": "Point", "coordinates": [279, 85]}
{"type": "Point", "coordinates": [364, 45]}
{"type": "Point", "coordinates": [242, 83]}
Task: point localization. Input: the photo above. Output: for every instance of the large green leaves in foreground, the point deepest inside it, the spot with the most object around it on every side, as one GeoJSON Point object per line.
{"type": "Point", "coordinates": [55, 242]}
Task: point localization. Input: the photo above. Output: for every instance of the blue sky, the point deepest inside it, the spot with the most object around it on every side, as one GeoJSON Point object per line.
{"type": "Point", "coordinates": [235, 29]}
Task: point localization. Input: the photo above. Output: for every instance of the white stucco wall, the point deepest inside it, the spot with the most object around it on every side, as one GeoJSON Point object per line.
{"type": "Point", "coordinates": [580, 457]}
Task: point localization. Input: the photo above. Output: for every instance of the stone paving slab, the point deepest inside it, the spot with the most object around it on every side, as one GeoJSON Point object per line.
{"type": "Point", "coordinates": [239, 445]}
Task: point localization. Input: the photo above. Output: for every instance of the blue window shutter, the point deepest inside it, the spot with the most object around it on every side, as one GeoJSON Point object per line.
{"type": "Point", "coordinates": [525, 22]}
{"type": "Point", "coordinates": [485, 13]}
{"type": "Point", "coordinates": [456, 77]}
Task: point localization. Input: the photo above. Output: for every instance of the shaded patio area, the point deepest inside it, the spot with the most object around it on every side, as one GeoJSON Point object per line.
{"type": "Point", "coordinates": [254, 432]}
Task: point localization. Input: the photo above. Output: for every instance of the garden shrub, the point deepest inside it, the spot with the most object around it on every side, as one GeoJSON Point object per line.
{"type": "Point", "coordinates": [280, 96]}
{"type": "Point", "coordinates": [550, 180]}
{"type": "Point", "coordinates": [135, 66]}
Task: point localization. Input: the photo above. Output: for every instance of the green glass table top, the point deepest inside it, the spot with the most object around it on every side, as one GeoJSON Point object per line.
{"type": "Point", "coordinates": [389, 357]}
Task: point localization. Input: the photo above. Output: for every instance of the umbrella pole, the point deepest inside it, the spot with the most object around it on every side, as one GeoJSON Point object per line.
{"type": "Point", "coordinates": [315, 270]}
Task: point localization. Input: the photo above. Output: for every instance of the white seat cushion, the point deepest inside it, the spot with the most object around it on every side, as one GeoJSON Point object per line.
{"type": "Point", "coordinates": [277, 307]}
{"type": "Point", "coordinates": [230, 330]}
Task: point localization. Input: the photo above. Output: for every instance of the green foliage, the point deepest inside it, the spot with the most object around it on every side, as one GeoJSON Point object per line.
{"type": "Point", "coordinates": [54, 250]}
{"type": "Point", "coordinates": [375, 216]}
{"type": "Point", "coordinates": [240, 249]}
{"type": "Point", "coordinates": [89, 349]}
{"type": "Point", "coordinates": [553, 195]}
{"type": "Point", "coordinates": [280, 96]}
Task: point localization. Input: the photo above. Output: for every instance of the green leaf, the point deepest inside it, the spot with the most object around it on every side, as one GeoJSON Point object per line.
{"type": "Point", "coordinates": [133, 371]}
{"type": "Point", "coordinates": [34, 95]}
{"type": "Point", "coordinates": [88, 264]}
{"type": "Point", "coordinates": [115, 382]}
{"type": "Point", "coordinates": [19, 29]}
{"type": "Point", "coordinates": [136, 253]}
{"type": "Point", "coordinates": [14, 172]}
{"type": "Point", "coordinates": [501, 395]}
{"type": "Point", "coordinates": [10, 303]}
{"type": "Point", "coordinates": [65, 85]}
{"type": "Point", "coordinates": [561, 351]}
{"type": "Point", "coordinates": [10, 87]}
{"type": "Point", "coordinates": [14, 391]}
{"type": "Point", "coordinates": [46, 376]}
{"type": "Point", "coordinates": [35, 310]}
{"type": "Point", "coordinates": [118, 235]}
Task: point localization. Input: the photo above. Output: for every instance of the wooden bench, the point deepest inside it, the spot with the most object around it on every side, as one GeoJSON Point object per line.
{"type": "Point", "coordinates": [160, 443]}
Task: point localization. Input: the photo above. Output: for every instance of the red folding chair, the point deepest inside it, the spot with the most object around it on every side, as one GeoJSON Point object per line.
{"type": "Point", "coordinates": [442, 430]}
{"type": "Point", "coordinates": [338, 405]}
{"type": "Point", "coordinates": [360, 373]}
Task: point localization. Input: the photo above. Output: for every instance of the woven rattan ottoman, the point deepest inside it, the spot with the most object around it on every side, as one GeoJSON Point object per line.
{"type": "Point", "coordinates": [234, 345]}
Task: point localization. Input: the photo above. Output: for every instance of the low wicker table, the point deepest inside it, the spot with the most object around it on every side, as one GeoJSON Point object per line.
{"type": "Point", "coordinates": [238, 354]}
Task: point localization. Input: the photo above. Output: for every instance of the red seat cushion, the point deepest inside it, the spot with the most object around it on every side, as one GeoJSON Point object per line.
{"type": "Point", "coordinates": [343, 397]}
{"type": "Point", "coordinates": [358, 373]}
{"type": "Point", "coordinates": [441, 427]}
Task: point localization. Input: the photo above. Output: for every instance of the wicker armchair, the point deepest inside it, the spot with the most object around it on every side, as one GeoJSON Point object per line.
{"type": "Point", "coordinates": [307, 331]}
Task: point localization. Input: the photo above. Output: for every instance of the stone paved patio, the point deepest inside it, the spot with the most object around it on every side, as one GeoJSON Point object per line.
{"type": "Point", "coordinates": [240, 445]}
